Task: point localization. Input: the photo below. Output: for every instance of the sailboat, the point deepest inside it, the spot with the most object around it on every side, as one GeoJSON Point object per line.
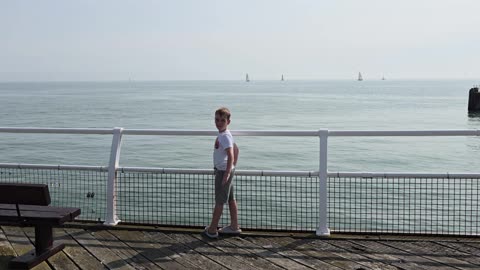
{"type": "Point", "coordinates": [383, 78]}
{"type": "Point", "coordinates": [246, 78]}
{"type": "Point", "coordinates": [360, 76]}
{"type": "Point", "coordinates": [282, 78]}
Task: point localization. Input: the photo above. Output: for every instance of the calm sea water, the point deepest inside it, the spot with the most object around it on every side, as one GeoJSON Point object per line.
{"type": "Point", "coordinates": [258, 105]}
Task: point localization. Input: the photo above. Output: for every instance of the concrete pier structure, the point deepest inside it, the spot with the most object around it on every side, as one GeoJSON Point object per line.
{"type": "Point", "coordinates": [474, 100]}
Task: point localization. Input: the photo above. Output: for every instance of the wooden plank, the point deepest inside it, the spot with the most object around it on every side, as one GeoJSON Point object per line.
{"type": "Point", "coordinates": [233, 243]}
{"type": "Point", "coordinates": [366, 256]}
{"type": "Point", "coordinates": [429, 250]}
{"type": "Point", "coordinates": [166, 246]}
{"type": "Point", "coordinates": [427, 237]}
{"type": "Point", "coordinates": [242, 254]}
{"type": "Point", "coordinates": [58, 261]}
{"type": "Point", "coordinates": [55, 216]}
{"type": "Point", "coordinates": [267, 253]}
{"type": "Point", "coordinates": [322, 250]}
{"type": "Point", "coordinates": [21, 244]}
{"type": "Point", "coordinates": [356, 255]}
{"type": "Point", "coordinates": [462, 251]}
{"type": "Point", "coordinates": [76, 252]}
{"type": "Point", "coordinates": [132, 256]}
{"type": "Point", "coordinates": [370, 250]}
{"type": "Point", "coordinates": [211, 252]}
{"type": "Point", "coordinates": [6, 251]}
{"type": "Point", "coordinates": [406, 259]}
{"type": "Point", "coordinates": [468, 247]}
{"type": "Point", "coordinates": [286, 246]}
{"type": "Point", "coordinates": [291, 255]}
{"type": "Point", "coordinates": [261, 251]}
{"type": "Point", "coordinates": [39, 208]}
{"type": "Point", "coordinates": [148, 248]}
{"type": "Point", "coordinates": [97, 249]}
{"type": "Point", "coordinates": [185, 252]}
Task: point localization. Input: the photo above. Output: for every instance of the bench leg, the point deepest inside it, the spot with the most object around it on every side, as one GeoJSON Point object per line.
{"type": "Point", "coordinates": [44, 248]}
{"type": "Point", "coordinates": [43, 238]}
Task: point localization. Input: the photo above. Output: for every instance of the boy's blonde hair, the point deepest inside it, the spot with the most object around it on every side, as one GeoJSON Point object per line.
{"type": "Point", "coordinates": [223, 112]}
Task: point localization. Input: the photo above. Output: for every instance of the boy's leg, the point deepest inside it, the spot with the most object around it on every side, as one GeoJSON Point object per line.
{"type": "Point", "coordinates": [220, 199]}
{"type": "Point", "coordinates": [232, 204]}
{"type": "Point", "coordinates": [217, 213]}
{"type": "Point", "coordinates": [233, 214]}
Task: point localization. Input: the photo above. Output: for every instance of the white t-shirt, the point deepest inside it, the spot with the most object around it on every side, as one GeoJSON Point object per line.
{"type": "Point", "coordinates": [224, 140]}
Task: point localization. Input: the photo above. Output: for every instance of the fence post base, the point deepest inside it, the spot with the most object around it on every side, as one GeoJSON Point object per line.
{"type": "Point", "coordinates": [323, 232]}
{"type": "Point", "coordinates": [111, 222]}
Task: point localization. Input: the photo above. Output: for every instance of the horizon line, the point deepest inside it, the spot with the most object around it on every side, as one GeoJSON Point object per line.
{"type": "Point", "coordinates": [237, 80]}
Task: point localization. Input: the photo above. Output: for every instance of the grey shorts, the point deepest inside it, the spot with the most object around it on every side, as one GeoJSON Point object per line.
{"type": "Point", "coordinates": [223, 193]}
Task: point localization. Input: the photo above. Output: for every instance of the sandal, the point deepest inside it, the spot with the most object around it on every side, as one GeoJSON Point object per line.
{"type": "Point", "coordinates": [229, 230]}
{"type": "Point", "coordinates": [210, 235]}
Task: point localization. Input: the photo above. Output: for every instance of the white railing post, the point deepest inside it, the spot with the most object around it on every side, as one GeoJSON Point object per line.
{"type": "Point", "coordinates": [111, 219]}
{"type": "Point", "coordinates": [323, 229]}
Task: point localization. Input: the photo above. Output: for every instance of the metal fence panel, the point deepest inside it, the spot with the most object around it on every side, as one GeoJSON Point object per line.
{"type": "Point", "coordinates": [265, 202]}
{"type": "Point", "coordinates": [418, 205]}
{"type": "Point", "coordinates": [68, 188]}
{"type": "Point", "coordinates": [404, 205]}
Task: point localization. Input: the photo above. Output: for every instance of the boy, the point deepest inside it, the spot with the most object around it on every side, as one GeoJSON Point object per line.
{"type": "Point", "coordinates": [225, 155]}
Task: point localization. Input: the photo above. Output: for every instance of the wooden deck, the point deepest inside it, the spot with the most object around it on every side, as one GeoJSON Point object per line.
{"type": "Point", "coordinates": [128, 247]}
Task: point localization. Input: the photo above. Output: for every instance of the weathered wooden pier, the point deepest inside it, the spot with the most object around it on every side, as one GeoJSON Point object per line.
{"type": "Point", "coordinates": [144, 247]}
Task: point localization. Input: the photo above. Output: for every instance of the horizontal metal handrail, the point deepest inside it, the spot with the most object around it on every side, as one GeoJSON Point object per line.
{"type": "Point", "coordinates": [53, 167]}
{"type": "Point", "coordinates": [245, 172]}
{"type": "Point", "coordinates": [388, 133]}
{"type": "Point", "coordinates": [403, 175]}
{"type": "Point", "coordinates": [210, 171]}
{"type": "Point", "coordinates": [55, 130]}
{"type": "Point", "coordinates": [287, 133]}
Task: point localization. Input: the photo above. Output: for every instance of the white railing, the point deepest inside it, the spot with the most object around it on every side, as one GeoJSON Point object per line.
{"type": "Point", "coordinates": [322, 173]}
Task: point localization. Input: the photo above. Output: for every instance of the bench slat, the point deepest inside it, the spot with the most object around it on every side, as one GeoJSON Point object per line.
{"type": "Point", "coordinates": [35, 194]}
{"type": "Point", "coordinates": [34, 217]}
{"type": "Point", "coordinates": [36, 208]}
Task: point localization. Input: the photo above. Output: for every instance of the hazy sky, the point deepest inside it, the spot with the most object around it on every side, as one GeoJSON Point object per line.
{"type": "Point", "coordinates": [223, 40]}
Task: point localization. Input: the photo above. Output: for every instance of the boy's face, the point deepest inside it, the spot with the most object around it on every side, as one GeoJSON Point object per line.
{"type": "Point", "coordinates": [221, 122]}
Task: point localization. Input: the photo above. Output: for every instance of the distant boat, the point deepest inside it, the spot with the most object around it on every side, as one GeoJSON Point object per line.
{"type": "Point", "coordinates": [246, 78]}
{"type": "Point", "coordinates": [282, 78]}
{"type": "Point", "coordinates": [383, 78]}
{"type": "Point", "coordinates": [360, 76]}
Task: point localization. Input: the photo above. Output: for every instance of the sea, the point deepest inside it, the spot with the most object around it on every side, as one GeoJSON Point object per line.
{"type": "Point", "coordinates": [255, 105]}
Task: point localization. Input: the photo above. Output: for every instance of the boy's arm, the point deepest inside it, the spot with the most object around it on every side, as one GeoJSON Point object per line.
{"type": "Point", "coordinates": [228, 170]}
{"type": "Point", "coordinates": [235, 154]}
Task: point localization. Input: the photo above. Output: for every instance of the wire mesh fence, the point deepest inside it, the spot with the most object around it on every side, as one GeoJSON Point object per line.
{"type": "Point", "coordinates": [404, 205]}
{"type": "Point", "coordinates": [68, 188]}
{"type": "Point", "coordinates": [355, 204]}
{"type": "Point", "coordinates": [265, 202]}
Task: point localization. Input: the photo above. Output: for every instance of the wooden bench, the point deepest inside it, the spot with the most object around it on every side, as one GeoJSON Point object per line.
{"type": "Point", "coordinates": [28, 204]}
